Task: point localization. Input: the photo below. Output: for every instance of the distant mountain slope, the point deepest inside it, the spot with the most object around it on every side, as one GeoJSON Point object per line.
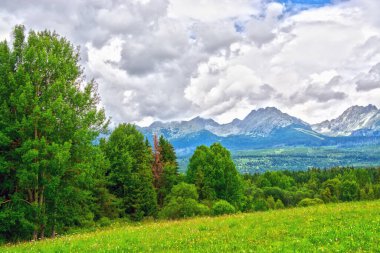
{"type": "Point", "coordinates": [269, 127]}
{"type": "Point", "coordinates": [258, 123]}
{"type": "Point", "coordinates": [355, 121]}
{"type": "Point", "coordinates": [262, 128]}
{"type": "Point", "coordinates": [177, 129]}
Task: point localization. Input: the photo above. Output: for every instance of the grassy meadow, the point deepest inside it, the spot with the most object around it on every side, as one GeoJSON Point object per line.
{"type": "Point", "coordinates": [345, 227]}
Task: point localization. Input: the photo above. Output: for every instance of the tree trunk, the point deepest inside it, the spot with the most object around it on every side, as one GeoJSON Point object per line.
{"type": "Point", "coordinates": [35, 234]}
{"type": "Point", "coordinates": [42, 233]}
{"type": "Point", "coordinates": [53, 232]}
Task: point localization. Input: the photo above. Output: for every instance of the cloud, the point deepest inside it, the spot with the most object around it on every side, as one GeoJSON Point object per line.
{"type": "Point", "coordinates": [213, 10]}
{"type": "Point", "coordinates": [173, 60]}
{"type": "Point", "coordinates": [370, 81]}
{"type": "Point", "coordinates": [262, 30]}
{"type": "Point", "coordinates": [218, 87]}
{"type": "Point", "coordinates": [320, 91]}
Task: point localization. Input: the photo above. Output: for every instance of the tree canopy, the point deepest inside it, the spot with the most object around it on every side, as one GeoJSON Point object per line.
{"type": "Point", "coordinates": [49, 117]}
{"type": "Point", "coordinates": [130, 173]}
{"type": "Point", "coordinates": [214, 173]}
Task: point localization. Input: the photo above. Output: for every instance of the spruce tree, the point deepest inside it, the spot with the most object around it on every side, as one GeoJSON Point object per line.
{"type": "Point", "coordinates": [130, 174]}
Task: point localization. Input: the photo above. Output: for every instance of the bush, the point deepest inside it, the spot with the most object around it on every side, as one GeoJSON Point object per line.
{"type": "Point", "coordinates": [184, 190]}
{"type": "Point", "coordinates": [261, 205]}
{"type": "Point", "coordinates": [182, 208]}
{"type": "Point", "coordinates": [310, 202]}
{"type": "Point", "coordinates": [271, 203]}
{"type": "Point", "coordinates": [279, 204]}
{"type": "Point", "coordinates": [183, 202]}
{"type": "Point", "coordinates": [222, 207]}
{"type": "Point", "coordinates": [104, 222]}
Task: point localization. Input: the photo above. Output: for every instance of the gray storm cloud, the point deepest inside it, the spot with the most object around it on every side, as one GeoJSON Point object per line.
{"type": "Point", "coordinates": [167, 59]}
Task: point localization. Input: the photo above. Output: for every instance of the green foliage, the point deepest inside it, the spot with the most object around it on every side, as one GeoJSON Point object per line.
{"type": "Point", "coordinates": [182, 208]}
{"type": "Point", "coordinates": [333, 186]}
{"type": "Point", "coordinates": [222, 207]}
{"type": "Point", "coordinates": [185, 191]}
{"type": "Point", "coordinates": [167, 152]}
{"type": "Point", "coordinates": [279, 204]}
{"type": "Point", "coordinates": [214, 174]}
{"type": "Point", "coordinates": [16, 221]}
{"type": "Point", "coordinates": [170, 176]}
{"type": "Point", "coordinates": [349, 191]}
{"type": "Point", "coordinates": [183, 202]}
{"type": "Point", "coordinates": [49, 118]}
{"type": "Point", "coordinates": [310, 202]}
{"type": "Point", "coordinates": [270, 202]}
{"type": "Point", "coordinates": [330, 185]}
{"type": "Point", "coordinates": [260, 205]}
{"type": "Point", "coordinates": [104, 222]}
{"type": "Point", "coordinates": [130, 176]}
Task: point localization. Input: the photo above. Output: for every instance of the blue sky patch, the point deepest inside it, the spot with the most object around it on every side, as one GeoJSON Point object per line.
{"type": "Point", "coordinates": [299, 5]}
{"type": "Point", "coordinates": [306, 2]}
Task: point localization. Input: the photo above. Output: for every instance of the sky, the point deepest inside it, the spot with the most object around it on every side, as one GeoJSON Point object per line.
{"type": "Point", "coordinates": [177, 59]}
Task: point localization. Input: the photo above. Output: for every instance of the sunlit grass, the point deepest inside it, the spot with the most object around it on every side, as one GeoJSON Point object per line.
{"type": "Point", "coordinates": [349, 227]}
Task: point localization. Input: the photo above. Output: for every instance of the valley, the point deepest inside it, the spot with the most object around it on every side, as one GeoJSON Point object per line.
{"type": "Point", "coordinates": [300, 158]}
{"type": "Point", "coordinates": [268, 139]}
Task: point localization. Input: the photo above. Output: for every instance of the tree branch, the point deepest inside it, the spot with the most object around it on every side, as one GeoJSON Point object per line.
{"type": "Point", "coordinates": [4, 202]}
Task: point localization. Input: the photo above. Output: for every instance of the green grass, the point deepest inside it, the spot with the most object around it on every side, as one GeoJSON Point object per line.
{"type": "Point", "coordinates": [349, 227]}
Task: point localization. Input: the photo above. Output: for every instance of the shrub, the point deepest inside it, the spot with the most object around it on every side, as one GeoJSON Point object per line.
{"type": "Point", "coordinates": [222, 207]}
{"type": "Point", "coordinates": [104, 222]}
{"type": "Point", "coordinates": [184, 190]}
{"type": "Point", "coordinates": [271, 203]}
{"type": "Point", "coordinates": [182, 208]}
{"type": "Point", "coordinates": [183, 202]}
{"type": "Point", "coordinates": [260, 205]}
{"type": "Point", "coordinates": [310, 202]}
{"type": "Point", "coordinates": [279, 204]}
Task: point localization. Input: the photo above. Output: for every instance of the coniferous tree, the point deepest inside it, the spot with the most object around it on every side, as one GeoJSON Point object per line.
{"type": "Point", "coordinates": [130, 173]}
{"type": "Point", "coordinates": [169, 176]}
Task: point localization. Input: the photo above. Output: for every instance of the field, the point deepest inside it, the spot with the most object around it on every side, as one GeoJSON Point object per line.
{"type": "Point", "coordinates": [348, 227]}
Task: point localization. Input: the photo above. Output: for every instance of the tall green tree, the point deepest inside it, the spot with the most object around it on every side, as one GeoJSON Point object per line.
{"type": "Point", "coordinates": [130, 173]}
{"type": "Point", "coordinates": [48, 121]}
{"type": "Point", "coordinates": [213, 172]}
{"type": "Point", "coordinates": [170, 175]}
{"type": "Point", "coordinates": [349, 191]}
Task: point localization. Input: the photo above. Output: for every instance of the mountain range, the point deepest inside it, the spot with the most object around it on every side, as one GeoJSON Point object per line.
{"type": "Point", "coordinates": [269, 127]}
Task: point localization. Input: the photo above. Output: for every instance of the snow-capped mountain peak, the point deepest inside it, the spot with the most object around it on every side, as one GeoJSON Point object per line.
{"type": "Point", "coordinates": [258, 123]}
{"type": "Point", "coordinates": [353, 119]}
{"type": "Point", "coordinates": [356, 120]}
{"type": "Point", "coordinates": [263, 121]}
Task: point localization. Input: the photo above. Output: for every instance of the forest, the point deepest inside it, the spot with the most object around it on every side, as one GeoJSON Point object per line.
{"type": "Point", "coordinates": [56, 175]}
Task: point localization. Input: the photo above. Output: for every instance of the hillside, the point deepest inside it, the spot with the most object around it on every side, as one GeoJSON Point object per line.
{"type": "Point", "coordinates": [346, 227]}
{"type": "Point", "coordinates": [270, 128]}
{"type": "Point", "coordinates": [355, 121]}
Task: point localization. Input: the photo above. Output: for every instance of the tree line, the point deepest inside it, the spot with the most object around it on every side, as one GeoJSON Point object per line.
{"type": "Point", "coordinates": [55, 173]}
